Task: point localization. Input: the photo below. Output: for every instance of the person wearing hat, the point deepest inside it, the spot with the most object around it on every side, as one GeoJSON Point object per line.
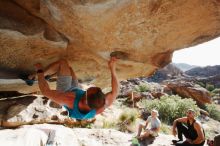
{"type": "Point", "coordinates": [151, 127]}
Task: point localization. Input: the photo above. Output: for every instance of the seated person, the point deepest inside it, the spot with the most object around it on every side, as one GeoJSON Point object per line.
{"type": "Point", "coordinates": [154, 123]}
{"type": "Point", "coordinates": [190, 128]}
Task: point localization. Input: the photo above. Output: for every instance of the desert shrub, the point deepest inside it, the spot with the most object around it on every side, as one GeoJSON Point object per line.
{"type": "Point", "coordinates": [213, 111]}
{"type": "Point", "coordinates": [201, 84]}
{"type": "Point", "coordinates": [165, 128]}
{"type": "Point", "coordinates": [142, 88]}
{"type": "Point", "coordinates": [212, 95]}
{"type": "Point", "coordinates": [170, 107]}
{"type": "Point", "coordinates": [210, 87]}
{"type": "Point", "coordinates": [127, 118]}
{"type": "Point", "coordinates": [216, 91]}
{"type": "Point", "coordinates": [108, 124]}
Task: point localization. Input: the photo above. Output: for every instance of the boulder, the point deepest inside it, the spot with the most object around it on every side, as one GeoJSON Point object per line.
{"type": "Point", "coordinates": [190, 90]}
{"type": "Point", "coordinates": [133, 98]}
{"type": "Point", "coordinates": [169, 72]}
{"type": "Point", "coordinates": [86, 33]}
{"type": "Point", "coordinates": [32, 109]}
{"type": "Point", "coordinates": [157, 95]}
{"type": "Point", "coordinates": [46, 134]}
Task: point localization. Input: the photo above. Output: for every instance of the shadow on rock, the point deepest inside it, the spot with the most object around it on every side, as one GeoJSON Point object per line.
{"type": "Point", "coordinates": [147, 141]}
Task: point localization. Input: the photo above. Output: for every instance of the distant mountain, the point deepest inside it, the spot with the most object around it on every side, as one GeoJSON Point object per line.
{"type": "Point", "coordinates": [206, 75]}
{"type": "Point", "coordinates": [207, 71]}
{"type": "Point", "coordinates": [184, 67]}
{"type": "Point", "coordinates": [168, 72]}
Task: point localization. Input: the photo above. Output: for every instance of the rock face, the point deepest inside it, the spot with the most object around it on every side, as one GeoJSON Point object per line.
{"type": "Point", "coordinates": [206, 75]}
{"type": "Point", "coordinates": [168, 72]}
{"type": "Point", "coordinates": [214, 80]}
{"type": "Point", "coordinates": [189, 90]}
{"type": "Point", "coordinates": [208, 71]}
{"type": "Point", "coordinates": [184, 87]}
{"type": "Point", "coordinates": [45, 134]}
{"type": "Point", "coordinates": [30, 109]}
{"type": "Point", "coordinates": [86, 32]}
{"type": "Point", "coordinates": [184, 67]}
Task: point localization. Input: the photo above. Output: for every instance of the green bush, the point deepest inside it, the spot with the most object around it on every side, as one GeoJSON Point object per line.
{"type": "Point", "coordinates": [142, 88]}
{"type": "Point", "coordinates": [213, 111]}
{"type": "Point", "coordinates": [216, 91]}
{"type": "Point", "coordinates": [127, 118]}
{"type": "Point", "coordinates": [170, 107]}
{"type": "Point", "coordinates": [166, 129]}
{"type": "Point", "coordinates": [108, 124]}
{"type": "Point", "coordinates": [201, 84]}
{"type": "Point", "coordinates": [210, 87]}
{"type": "Point", "coordinates": [212, 94]}
{"type": "Point", "coordinates": [129, 115]}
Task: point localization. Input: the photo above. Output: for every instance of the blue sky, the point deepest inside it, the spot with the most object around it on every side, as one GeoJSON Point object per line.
{"type": "Point", "coordinates": [201, 55]}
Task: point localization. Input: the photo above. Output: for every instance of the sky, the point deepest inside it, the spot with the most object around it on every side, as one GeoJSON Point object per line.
{"type": "Point", "coordinates": [201, 55]}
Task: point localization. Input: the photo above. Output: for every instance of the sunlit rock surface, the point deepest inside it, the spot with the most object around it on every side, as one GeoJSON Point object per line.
{"type": "Point", "coordinates": [33, 109]}
{"type": "Point", "coordinates": [45, 134]}
{"type": "Point", "coordinates": [86, 32]}
{"type": "Point", "coordinates": [190, 90]}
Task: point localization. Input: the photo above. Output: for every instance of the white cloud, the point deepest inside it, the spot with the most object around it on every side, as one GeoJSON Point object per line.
{"type": "Point", "coordinates": [202, 55]}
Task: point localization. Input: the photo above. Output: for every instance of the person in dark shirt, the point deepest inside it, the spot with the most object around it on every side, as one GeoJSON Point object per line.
{"type": "Point", "coordinates": [190, 128]}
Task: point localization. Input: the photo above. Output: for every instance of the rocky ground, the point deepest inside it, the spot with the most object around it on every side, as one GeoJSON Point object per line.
{"type": "Point", "coordinates": [42, 134]}
{"type": "Point", "coordinates": [53, 135]}
{"type": "Point", "coordinates": [38, 134]}
{"type": "Point", "coordinates": [32, 111]}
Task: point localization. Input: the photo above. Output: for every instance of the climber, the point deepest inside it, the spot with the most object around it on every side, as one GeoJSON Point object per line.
{"type": "Point", "coordinates": [80, 104]}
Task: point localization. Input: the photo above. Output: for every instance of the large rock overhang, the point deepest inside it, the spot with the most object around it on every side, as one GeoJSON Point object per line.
{"type": "Point", "coordinates": [86, 32]}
